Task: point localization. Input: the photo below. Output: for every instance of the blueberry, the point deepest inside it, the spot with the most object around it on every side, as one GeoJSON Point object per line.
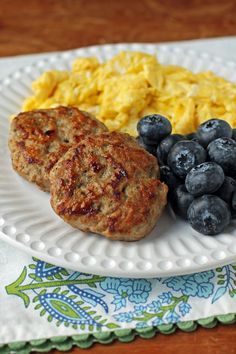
{"type": "Point", "coordinates": [213, 129]}
{"type": "Point", "coordinates": [209, 214]}
{"type": "Point", "coordinates": [185, 155]}
{"type": "Point", "coordinates": [181, 200]}
{"type": "Point", "coordinates": [234, 201]}
{"type": "Point", "coordinates": [165, 146]}
{"type": "Point", "coordinates": [190, 136]}
{"type": "Point", "coordinates": [205, 178]}
{"type": "Point", "coordinates": [193, 137]}
{"type": "Point", "coordinates": [149, 148]}
{"type": "Point", "coordinates": [227, 189]}
{"type": "Point", "coordinates": [234, 134]}
{"type": "Point", "coordinates": [223, 152]}
{"type": "Point", "coordinates": [154, 128]}
{"type": "Point", "coordinates": [169, 178]}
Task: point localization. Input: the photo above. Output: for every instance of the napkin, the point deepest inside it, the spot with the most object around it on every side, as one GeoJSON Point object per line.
{"type": "Point", "coordinates": [40, 301]}
{"type": "Point", "coordinates": [43, 306]}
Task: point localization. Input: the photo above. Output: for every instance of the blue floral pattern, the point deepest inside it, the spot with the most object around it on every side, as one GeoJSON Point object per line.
{"type": "Point", "coordinates": [81, 300]}
{"type": "Point", "coordinates": [184, 308]}
{"type": "Point", "coordinates": [124, 290]}
{"type": "Point", "coordinates": [193, 285]}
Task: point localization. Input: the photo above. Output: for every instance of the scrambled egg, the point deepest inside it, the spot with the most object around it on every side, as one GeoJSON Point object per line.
{"type": "Point", "coordinates": [132, 85]}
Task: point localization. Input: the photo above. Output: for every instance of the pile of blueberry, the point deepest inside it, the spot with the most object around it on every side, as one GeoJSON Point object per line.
{"type": "Point", "coordinates": [199, 169]}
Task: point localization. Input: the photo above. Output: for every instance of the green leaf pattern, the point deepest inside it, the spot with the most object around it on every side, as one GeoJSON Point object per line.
{"type": "Point", "coordinates": [92, 302]}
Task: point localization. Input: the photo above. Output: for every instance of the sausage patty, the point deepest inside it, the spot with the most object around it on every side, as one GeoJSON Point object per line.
{"type": "Point", "coordinates": [109, 185]}
{"type": "Point", "coordinates": [40, 137]}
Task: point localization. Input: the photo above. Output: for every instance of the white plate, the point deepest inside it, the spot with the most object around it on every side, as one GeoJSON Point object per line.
{"type": "Point", "coordinates": [28, 222]}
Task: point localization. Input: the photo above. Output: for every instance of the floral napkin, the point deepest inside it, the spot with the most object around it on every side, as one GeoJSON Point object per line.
{"type": "Point", "coordinates": [40, 300]}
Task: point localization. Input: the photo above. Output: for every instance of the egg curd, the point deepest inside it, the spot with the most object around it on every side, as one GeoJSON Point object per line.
{"type": "Point", "coordinates": [132, 85]}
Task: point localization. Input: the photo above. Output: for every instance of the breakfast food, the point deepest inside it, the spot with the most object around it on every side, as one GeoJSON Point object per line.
{"type": "Point", "coordinates": [40, 137]}
{"type": "Point", "coordinates": [209, 214]}
{"type": "Point", "coordinates": [184, 155]}
{"type": "Point", "coordinates": [165, 145]}
{"type": "Point", "coordinates": [227, 189]}
{"type": "Point", "coordinates": [150, 148]}
{"type": "Point", "coordinates": [153, 128]}
{"type": "Point", "coordinates": [200, 171]}
{"type": "Point", "coordinates": [109, 185]}
{"type": "Point", "coordinates": [223, 152]}
{"type": "Point", "coordinates": [205, 178]}
{"type": "Point", "coordinates": [131, 85]}
{"type": "Point", "coordinates": [181, 200]}
{"type": "Point", "coordinates": [213, 129]}
{"type": "Point", "coordinates": [106, 182]}
{"type": "Point", "coordinates": [168, 176]}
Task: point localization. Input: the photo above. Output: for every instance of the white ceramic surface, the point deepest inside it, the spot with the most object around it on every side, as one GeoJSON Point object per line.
{"type": "Point", "coordinates": [28, 222]}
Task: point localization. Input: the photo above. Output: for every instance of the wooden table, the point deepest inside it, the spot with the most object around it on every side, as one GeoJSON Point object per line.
{"type": "Point", "coordinates": [32, 26]}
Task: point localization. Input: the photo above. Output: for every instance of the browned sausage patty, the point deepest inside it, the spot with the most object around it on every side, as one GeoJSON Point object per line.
{"type": "Point", "coordinates": [40, 137]}
{"type": "Point", "coordinates": [108, 184]}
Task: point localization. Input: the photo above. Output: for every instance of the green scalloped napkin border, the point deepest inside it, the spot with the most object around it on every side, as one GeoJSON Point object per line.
{"type": "Point", "coordinates": [85, 341]}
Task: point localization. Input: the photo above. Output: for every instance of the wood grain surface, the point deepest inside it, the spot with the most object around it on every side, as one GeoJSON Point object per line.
{"type": "Point", "coordinates": [29, 26]}
{"type": "Point", "coordinates": [50, 25]}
